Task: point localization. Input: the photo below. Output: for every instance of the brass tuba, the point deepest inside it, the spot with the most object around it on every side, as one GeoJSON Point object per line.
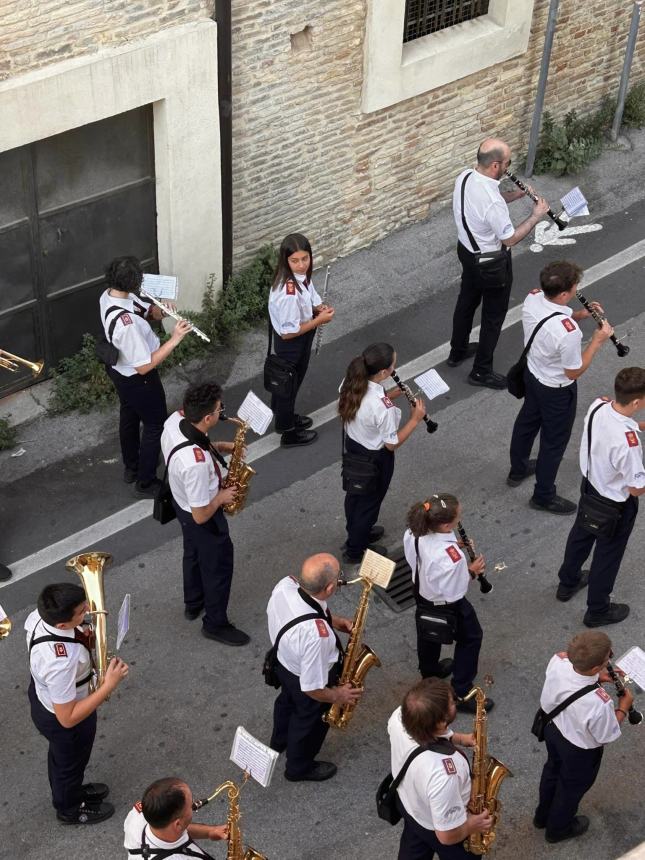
{"type": "Point", "coordinates": [89, 566]}
{"type": "Point", "coordinates": [235, 850]}
{"type": "Point", "coordinates": [239, 472]}
{"type": "Point", "coordinates": [488, 774]}
{"type": "Point", "coordinates": [359, 659]}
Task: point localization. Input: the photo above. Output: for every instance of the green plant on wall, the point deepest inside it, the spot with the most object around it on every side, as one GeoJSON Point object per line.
{"type": "Point", "coordinates": [7, 435]}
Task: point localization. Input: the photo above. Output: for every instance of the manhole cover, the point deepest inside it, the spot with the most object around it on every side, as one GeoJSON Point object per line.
{"type": "Point", "coordinates": [399, 594]}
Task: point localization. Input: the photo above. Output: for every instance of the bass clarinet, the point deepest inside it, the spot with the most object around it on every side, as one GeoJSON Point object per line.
{"type": "Point", "coordinates": [484, 585]}
{"type": "Point", "coordinates": [557, 219]}
{"type": "Point", "coordinates": [635, 717]}
{"type": "Point", "coordinates": [319, 332]}
{"type": "Point", "coordinates": [431, 425]}
{"type": "Point", "coordinates": [621, 348]}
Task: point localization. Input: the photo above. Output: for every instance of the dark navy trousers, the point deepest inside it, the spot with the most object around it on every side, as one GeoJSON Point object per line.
{"type": "Point", "coordinates": [207, 566]}
{"type": "Point", "coordinates": [298, 726]}
{"type": "Point", "coordinates": [143, 402]}
{"type": "Point", "coordinates": [69, 753]}
{"type": "Point", "coordinates": [607, 557]}
{"type": "Point", "coordinates": [297, 350]}
{"type": "Point", "coordinates": [361, 511]}
{"type": "Point", "coordinates": [551, 413]}
{"type": "Point", "coordinates": [568, 774]}
{"type": "Point", "coordinates": [418, 843]}
{"type": "Point", "coordinates": [468, 642]}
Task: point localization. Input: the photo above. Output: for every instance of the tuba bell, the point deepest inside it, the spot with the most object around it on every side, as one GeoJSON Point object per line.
{"type": "Point", "coordinates": [89, 566]}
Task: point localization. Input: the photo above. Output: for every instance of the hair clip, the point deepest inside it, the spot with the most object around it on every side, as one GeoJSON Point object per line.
{"type": "Point", "coordinates": [439, 499]}
{"type": "Point", "coordinates": [426, 506]}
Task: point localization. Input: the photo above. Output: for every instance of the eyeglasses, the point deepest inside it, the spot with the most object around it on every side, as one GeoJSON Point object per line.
{"type": "Point", "coordinates": [217, 411]}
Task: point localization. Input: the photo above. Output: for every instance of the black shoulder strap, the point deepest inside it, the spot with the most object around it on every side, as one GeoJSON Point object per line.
{"type": "Point", "coordinates": [151, 852]}
{"type": "Point", "coordinates": [321, 614]}
{"type": "Point", "coordinates": [589, 439]}
{"type": "Point", "coordinates": [270, 330]}
{"type": "Point", "coordinates": [114, 320]}
{"type": "Point", "coordinates": [174, 450]}
{"type": "Point", "coordinates": [536, 330]}
{"type": "Point", "coordinates": [310, 616]}
{"type": "Point", "coordinates": [51, 637]}
{"type": "Point", "coordinates": [570, 700]}
{"type": "Point", "coordinates": [415, 578]}
{"type": "Point", "coordinates": [442, 745]}
{"type": "Point", "coordinates": [471, 238]}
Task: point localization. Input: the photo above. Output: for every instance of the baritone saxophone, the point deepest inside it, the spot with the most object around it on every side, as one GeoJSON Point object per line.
{"type": "Point", "coordinates": [239, 473]}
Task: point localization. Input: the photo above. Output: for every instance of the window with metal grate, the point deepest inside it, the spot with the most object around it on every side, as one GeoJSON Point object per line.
{"type": "Point", "coordinates": [428, 16]}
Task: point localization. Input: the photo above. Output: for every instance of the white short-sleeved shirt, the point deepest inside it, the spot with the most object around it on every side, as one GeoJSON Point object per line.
{"type": "Point", "coordinates": [556, 346]}
{"type": "Point", "coordinates": [377, 420]}
{"type": "Point", "coordinates": [133, 827]}
{"type": "Point", "coordinates": [192, 475]}
{"type": "Point", "coordinates": [290, 307]}
{"type": "Point", "coordinates": [436, 788]}
{"type": "Point", "coordinates": [132, 335]}
{"type": "Point", "coordinates": [486, 212]}
{"type": "Point", "coordinates": [588, 722]}
{"type": "Point", "coordinates": [616, 452]}
{"type": "Point", "coordinates": [56, 666]}
{"type": "Point", "coordinates": [309, 649]}
{"type": "Point", "coordinates": [443, 568]}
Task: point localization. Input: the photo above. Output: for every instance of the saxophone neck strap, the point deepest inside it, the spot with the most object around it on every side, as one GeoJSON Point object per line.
{"type": "Point", "coordinates": [325, 614]}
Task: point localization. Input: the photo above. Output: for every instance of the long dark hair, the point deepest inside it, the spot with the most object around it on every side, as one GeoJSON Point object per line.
{"type": "Point", "coordinates": [376, 357]}
{"type": "Point", "coordinates": [290, 244]}
{"type": "Point", "coordinates": [437, 510]}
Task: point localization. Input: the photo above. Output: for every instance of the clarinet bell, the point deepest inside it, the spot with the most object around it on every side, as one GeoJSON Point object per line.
{"type": "Point", "coordinates": [635, 717]}
{"type": "Point", "coordinates": [431, 425]}
{"type": "Point", "coordinates": [622, 349]}
{"type": "Point", "coordinates": [484, 585]}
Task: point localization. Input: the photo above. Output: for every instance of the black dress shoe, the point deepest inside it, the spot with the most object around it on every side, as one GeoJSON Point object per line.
{"type": "Point", "coordinates": [488, 380]}
{"type": "Point", "coordinates": [147, 489]}
{"type": "Point", "coordinates": [357, 559]}
{"type": "Point", "coordinates": [129, 475]}
{"type": "Point", "coordinates": [5, 573]}
{"type": "Point", "coordinates": [538, 823]}
{"type": "Point", "coordinates": [192, 613]}
{"type": "Point", "coordinates": [293, 438]}
{"type": "Point", "coordinates": [616, 613]}
{"type": "Point", "coordinates": [579, 825]}
{"type": "Point", "coordinates": [557, 505]}
{"type": "Point", "coordinates": [321, 771]}
{"type": "Point", "coordinates": [444, 668]}
{"type": "Point", "coordinates": [470, 707]}
{"type": "Point", "coordinates": [227, 634]}
{"type": "Point", "coordinates": [95, 792]}
{"type": "Point", "coordinates": [303, 422]}
{"type": "Point", "coordinates": [516, 480]}
{"type": "Point", "coordinates": [88, 814]}
{"type": "Point", "coordinates": [472, 348]}
{"type": "Point", "coordinates": [563, 594]}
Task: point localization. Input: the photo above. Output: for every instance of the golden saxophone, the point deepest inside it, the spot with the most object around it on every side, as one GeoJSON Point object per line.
{"type": "Point", "coordinates": [359, 659]}
{"type": "Point", "coordinates": [488, 774]}
{"type": "Point", "coordinates": [235, 850]}
{"type": "Point", "coordinates": [239, 472]}
{"type": "Point", "coordinates": [89, 566]}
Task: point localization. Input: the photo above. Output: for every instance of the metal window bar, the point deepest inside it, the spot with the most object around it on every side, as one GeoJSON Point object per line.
{"type": "Point", "coordinates": [429, 16]}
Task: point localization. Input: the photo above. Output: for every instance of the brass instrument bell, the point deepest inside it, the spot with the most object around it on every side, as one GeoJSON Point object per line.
{"type": "Point", "coordinates": [12, 362]}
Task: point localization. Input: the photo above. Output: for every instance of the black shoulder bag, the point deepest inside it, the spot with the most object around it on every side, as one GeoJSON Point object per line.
{"type": "Point", "coordinates": [104, 349]}
{"type": "Point", "coordinates": [492, 264]}
{"type": "Point", "coordinates": [280, 376]}
{"type": "Point", "coordinates": [162, 509]}
{"type": "Point", "coordinates": [436, 624]}
{"type": "Point", "coordinates": [597, 515]}
{"type": "Point", "coordinates": [386, 807]}
{"type": "Point", "coordinates": [515, 374]}
{"type": "Point", "coordinates": [271, 657]}
{"type": "Point", "coordinates": [358, 471]}
{"type": "Point", "coordinates": [542, 719]}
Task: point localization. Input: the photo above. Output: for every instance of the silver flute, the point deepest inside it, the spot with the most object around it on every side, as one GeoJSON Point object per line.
{"type": "Point", "coordinates": [174, 315]}
{"type": "Point", "coordinates": [319, 333]}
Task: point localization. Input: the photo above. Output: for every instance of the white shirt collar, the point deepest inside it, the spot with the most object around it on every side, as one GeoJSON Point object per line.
{"type": "Point", "coordinates": [375, 386]}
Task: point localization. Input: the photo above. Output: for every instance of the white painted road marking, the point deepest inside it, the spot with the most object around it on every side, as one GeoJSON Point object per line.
{"type": "Point", "coordinates": [549, 234]}
{"type": "Point", "coordinates": [115, 523]}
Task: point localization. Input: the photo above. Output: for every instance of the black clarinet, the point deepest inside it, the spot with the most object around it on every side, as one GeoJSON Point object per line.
{"type": "Point", "coordinates": [621, 348]}
{"type": "Point", "coordinates": [635, 717]}
{"type": "Point", "coordinates": [555, 218]}
{"type": "Point", "coordinates": [484, 585]}
{"type": "Point", "coordinates": [431, 425]}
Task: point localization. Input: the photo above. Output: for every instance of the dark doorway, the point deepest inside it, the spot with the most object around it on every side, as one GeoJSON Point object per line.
{"type": "Point", "coordinates": [68, 204]}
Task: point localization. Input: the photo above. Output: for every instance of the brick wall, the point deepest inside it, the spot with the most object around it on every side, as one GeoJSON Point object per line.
{"type": "Point", "coordinates": [306, 158]}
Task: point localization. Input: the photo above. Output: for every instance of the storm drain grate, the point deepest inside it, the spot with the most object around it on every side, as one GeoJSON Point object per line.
{"type": "Point", "coordinates": [399, 594]}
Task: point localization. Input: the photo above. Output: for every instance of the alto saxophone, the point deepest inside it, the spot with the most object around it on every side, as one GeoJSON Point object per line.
{"type": "Point", "coordinates": [359, 659]}
{"type": "Point", "coordinates": [488, 774]}
{"type": "Point", "coordinates": [235, 850]}
{"type": "Point", "coordinates": [239, 472]}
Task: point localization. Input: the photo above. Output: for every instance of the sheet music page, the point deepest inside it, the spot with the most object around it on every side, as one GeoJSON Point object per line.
{"type": "Point", "coordinates": [161, 286]}
{"type": "Point", "coordinates": [124, 621]}
{"type": "Point", "coordinates": [376, 568]}
{"type": "Point", "coordinates": [256, 413]}
{"type": "Point", "coordinates": [431, 384]}
{"type": "Point", "coordinates": [253, 756]}
{"type": "Point", "coordinates": [575, 203]}
{"type": "Point", "coordinates": [633, 664]}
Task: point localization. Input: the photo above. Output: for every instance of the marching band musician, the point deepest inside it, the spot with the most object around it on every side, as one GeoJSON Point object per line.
{"type": "Point", "coordinates": [555, 362]}
{"type": "Point", "coordinates": [161, 824]}
{"type": "Point", "coordinates": [125, 315]}
{"type": "Point", "coordinates": [195, 483]}
{"type": "Point", "coordinates": [576, 737]}
{"type": "Point", "coordinates": [617, 477]}
{"type": "Point", "coordinates": [433, 795]}
{"type": "Point", "coordinates": [62, 708]}
{"type": "Point", "coordinates": [444, 574]}
{"type": "Point", "coordinates": [309, 658]}
{"type": "Point", "coordinates": [370, 426]}
{"type": "Point", "coordinates": [296, 310]}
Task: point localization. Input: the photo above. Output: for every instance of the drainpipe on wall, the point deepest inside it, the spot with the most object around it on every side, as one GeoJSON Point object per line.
{"type": "Point", "coordinates": [222, 16]}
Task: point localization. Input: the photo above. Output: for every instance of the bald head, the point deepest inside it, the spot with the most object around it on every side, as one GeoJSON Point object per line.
{"type": "Point", "coordinates": [492, 149]}
{"type": "Point", "coordinates": [318, 571]}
